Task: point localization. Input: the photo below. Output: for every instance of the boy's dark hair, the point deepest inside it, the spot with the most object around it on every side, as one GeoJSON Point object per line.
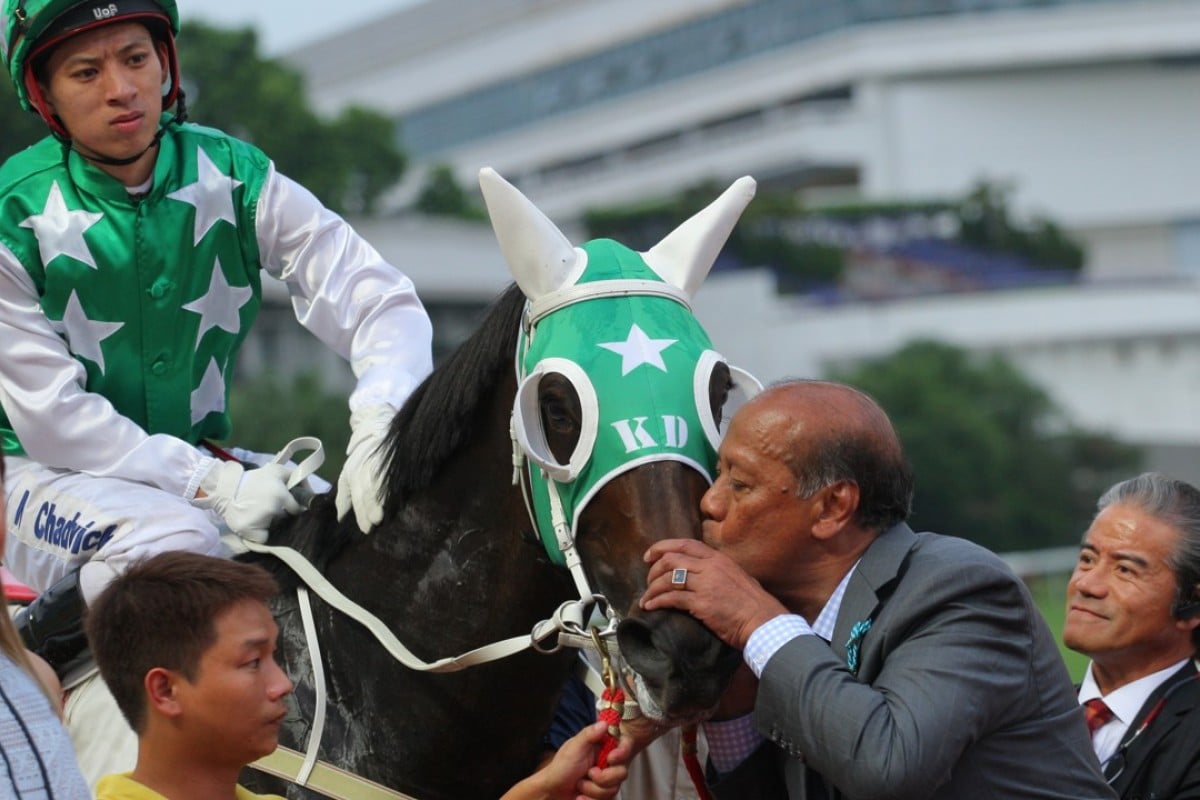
{"type": "Point", "coordinates": [161, 612]}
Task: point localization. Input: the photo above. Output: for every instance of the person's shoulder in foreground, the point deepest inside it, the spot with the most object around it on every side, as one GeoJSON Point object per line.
{"type": "Point", "coordinates": [124, 787]}
{"type": "Point", "coordinates": [38, 760]}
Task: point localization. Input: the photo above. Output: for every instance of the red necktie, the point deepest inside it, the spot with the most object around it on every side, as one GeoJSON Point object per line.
{"type": "Point", "coordinates": [1095, 714]}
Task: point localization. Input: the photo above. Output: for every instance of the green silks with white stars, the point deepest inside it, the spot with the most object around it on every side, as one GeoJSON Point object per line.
{"type": "Point", "coordinates": [154, 318]}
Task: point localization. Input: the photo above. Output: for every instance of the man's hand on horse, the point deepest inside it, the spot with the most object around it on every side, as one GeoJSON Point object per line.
{"type": "Point", "coordinates": [360, 486]}
{"type": "Point", "coordinates": [691, 576]}
{"type": "Point", "coordinates": [247, 499]}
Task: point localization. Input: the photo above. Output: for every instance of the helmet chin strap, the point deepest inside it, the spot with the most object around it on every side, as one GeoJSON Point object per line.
{"type": "Point", "coordinates": [108, 161]}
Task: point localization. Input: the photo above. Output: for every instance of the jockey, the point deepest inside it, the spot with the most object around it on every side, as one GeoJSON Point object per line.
{"type": "Point", "coordinates": [131, 250]}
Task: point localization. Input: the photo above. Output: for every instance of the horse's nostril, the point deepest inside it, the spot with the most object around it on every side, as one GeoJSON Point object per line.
{"type": "Point", "coordinates": [682, 668]}
{"type": "Point", "coordinates": [636, 641]}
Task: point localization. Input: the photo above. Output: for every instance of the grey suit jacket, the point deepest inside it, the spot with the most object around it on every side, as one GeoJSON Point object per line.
{"type": "Point", "coordinates": [960, 691]}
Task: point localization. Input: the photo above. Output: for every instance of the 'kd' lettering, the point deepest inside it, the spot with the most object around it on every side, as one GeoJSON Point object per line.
{"type": "Point", "coordinates": [677, 431]}
{"type": "Point", "coordinates": [634, 435]}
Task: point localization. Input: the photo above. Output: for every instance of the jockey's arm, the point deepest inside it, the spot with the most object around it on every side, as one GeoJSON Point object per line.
{"type": "Point", "coordinates": [345, 293]}
{"type": "Point", "coordinates": [362, 307]}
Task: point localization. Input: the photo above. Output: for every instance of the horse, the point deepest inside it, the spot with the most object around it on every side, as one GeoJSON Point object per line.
{"type": "Point", "coordinates": [463, 556]}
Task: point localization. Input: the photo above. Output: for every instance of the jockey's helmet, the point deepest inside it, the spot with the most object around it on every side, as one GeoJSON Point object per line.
{"type": "Point", "coordinates": [31, 28]}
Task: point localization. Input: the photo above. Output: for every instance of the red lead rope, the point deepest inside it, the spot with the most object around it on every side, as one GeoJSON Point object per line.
{"type": "Point", "coordinates": [613, 707]}
{"type": "Point", "coordinates": [613, 701]}
{"type": "Point", "coordinates": [691, 760]}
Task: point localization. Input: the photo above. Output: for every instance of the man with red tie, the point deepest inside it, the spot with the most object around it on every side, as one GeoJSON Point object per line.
{"type": "Point", "coordinates": [1133, 607]}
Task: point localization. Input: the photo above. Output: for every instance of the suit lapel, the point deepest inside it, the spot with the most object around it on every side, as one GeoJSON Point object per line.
{"type": "Point", "coordinates": [1178, 703]}
{"type": "Point", "coordinates": [872, 582]}
{"type": "Point", "coordinates": [869, 587]}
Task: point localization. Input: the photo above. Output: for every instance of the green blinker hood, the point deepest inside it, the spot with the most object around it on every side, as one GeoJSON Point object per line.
{"type": "Point", "coordinates": [618, 325]}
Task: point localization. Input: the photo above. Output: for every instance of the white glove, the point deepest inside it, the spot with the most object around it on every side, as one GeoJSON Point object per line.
{"type": "Point", "coordinates": [247, 499]}
{"type": "Point", "coordinates": [360, 486]}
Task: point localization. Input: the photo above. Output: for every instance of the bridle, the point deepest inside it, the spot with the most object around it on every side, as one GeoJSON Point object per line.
{"type": "Point", "coordinates": [533, 462]}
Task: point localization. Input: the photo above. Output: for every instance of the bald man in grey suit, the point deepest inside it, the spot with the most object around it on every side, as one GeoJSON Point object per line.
{"type": "Point", "coordinates": [878, 662]}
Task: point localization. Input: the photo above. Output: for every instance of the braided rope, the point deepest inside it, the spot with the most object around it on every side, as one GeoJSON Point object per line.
{"type": "Point", "coordinates": [613, 702]}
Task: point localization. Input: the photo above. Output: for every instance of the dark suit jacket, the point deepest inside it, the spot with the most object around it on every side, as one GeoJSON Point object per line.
{"type": "Point", "coordinates": [960, 692]}
{"type": "Point", "coordinates": [1163, 761]}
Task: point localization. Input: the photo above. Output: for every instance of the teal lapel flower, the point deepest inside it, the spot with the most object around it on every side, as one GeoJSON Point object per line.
{"type": "Point", "coordinates": [857, 632]}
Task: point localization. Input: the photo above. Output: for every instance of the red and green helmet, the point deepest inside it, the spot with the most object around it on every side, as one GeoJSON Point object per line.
{"type": "Point", "coordinates": [32, 27]}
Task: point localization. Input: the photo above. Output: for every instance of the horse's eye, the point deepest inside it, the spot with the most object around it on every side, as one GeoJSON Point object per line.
{"type": "Point", "coordinates": [558, 402]}
{"type": "Point", "coordinates": [720, 383]}
{"type": "Point", "coordinates": [556, 414]}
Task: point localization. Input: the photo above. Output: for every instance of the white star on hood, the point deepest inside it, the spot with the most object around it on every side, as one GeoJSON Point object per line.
{"type": "Point", "coordinates": [219, 306]}
{"type": "Point", "coordinates": [59, 230]}
{"type": "Point", "coordinates": [211, 195]}
{"type": "Point", "coordinates": [84, 335]}
{"type": "Point", "coordinates": [210, 394]}
{"type": "Point", "coordinates": [639, 349]}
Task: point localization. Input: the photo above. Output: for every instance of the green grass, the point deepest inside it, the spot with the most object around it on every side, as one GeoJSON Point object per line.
{"type": "Point", "coordinates": [1050, 593]}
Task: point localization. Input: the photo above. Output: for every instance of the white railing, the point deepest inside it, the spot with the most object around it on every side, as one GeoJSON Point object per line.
{"type": "Point", "coordinates": [1051, 561]}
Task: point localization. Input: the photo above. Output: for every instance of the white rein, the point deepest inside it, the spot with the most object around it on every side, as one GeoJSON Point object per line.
{"type": "Point", "coordinates": [568, 623]}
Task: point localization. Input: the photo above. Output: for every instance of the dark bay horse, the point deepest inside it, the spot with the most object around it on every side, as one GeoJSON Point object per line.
{"type": "Point", "coordinates": [458, 561]}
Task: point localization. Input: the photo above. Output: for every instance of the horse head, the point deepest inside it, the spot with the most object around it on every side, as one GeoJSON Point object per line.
{"type": "Point", "coordinates": [619, 410]}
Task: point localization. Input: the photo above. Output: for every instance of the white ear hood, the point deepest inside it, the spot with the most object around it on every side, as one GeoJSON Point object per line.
{"type": "Point", "coordinates": [539, 256]}
{"type": "Point", "coordinates": [686, 254]}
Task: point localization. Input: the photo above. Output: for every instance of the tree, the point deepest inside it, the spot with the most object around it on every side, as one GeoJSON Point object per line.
{"type": "Point", "coordinates": [266, 414]}
{"type": "Point", "coordinates": [347, 162]}
{"type": "Point", "coordinates": [370, 160]}
{"type": "Point", "coordinates": [985, 223]}
{"type": "Point", "coordinates": [761, 237]}
{"type": "Point", "coordinates": [995, 460]}
{"type": "Point", "coordinates": [811, 248]}
{"type": "Point", "coordinates": [442, 195]}
{"type": "Point", "coordinates": [18, 128]}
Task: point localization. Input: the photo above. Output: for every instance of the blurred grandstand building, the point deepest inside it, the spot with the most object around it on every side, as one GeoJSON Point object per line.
{"type": "Point", "coordinates": [1086, 109]}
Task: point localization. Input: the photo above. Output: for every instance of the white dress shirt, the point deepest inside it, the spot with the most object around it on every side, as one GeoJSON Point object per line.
{"type": "Point", "coordinates": [1125, 703]}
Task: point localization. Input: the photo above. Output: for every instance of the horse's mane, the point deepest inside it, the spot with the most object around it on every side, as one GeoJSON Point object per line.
{"type": "Point", "coordinates": [443, 412]}
{"type": "Point", "coordinates": [440, 415]}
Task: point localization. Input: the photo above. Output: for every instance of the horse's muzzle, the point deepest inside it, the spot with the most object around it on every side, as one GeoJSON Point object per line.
{"type": "Point", "coordinates": [682, 667]}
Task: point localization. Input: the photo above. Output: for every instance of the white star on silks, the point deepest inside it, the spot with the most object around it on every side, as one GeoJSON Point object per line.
{"type": "Point", "coordinates": [210, 394]}
{"type": "Point", "coordinates": [211, 195]}
{"type": "Point", "coordinates": [59, 230]}
{"type": "Point", "coordinates": [639, 349]}
{"type": "Point", "coordinates": [84, 335]}
{"type": "Point", "coordinates": [219, 306]}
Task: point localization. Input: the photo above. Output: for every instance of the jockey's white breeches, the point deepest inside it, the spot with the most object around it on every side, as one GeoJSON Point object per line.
{"type": "Point", "coordinates": [59, 520]}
